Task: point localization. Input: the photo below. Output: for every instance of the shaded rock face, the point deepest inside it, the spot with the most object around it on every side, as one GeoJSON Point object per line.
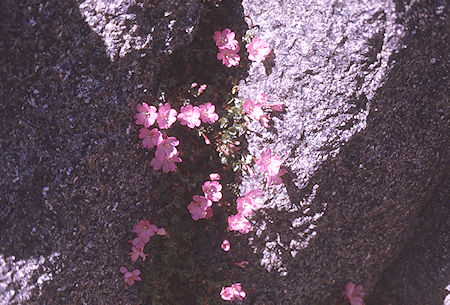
{"type": "Point", "coordinates": [362, 138]}
{"type": "Point", "coordinates": [72, 179]}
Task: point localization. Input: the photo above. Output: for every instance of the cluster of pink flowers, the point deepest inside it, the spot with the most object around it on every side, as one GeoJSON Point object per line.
{"type": "Point", "coordinates": [270, 164]}
{"type": "Point", "coordinates": [232, 292]}
{"type": "Point", "coordinates": [245, 207]}
{"type": "Point", "coordinates": [354, 294]}
{"type": "Point", "coordinates": [255, 108]}
{"type": "Point", "coordinates": [166, 154]}
{"type": "Point", "coordinates": [200, 206]}
{"type": "Point", "coordinates": [228, 47]}
{"type": "Point", "coordinates": [144, 230]}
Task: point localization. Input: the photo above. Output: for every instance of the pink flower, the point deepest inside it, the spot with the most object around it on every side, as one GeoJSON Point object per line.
{"type": "Point", "coordinates": [198, 207]}
{"type": "Point", "coordinates": [225, 245]}
{"type": "Point", "coordinates": [145, 229]}
{"type": "Point", "coordinates": [201, 89]}
{"type": "Point", "coordinates": [225, 39]}
{"type": "Point", "coordinates": [136, 252]}
{"type": "Point", "coordinates": [167, 165]}
{"type": "Point", "coordinates": [150, 138]}
{"type": "Point", "coordinates": [212, 190]}
{"type": "Point", "coordinates": [130, 277]}
{"type": "Point", "coordinates": [207, 114]}
{"type": "Point", "coordinates": [269, 163]}
{"type": "Point", "coordinates": [139, 242]}
{"type": "Point", "coordinates": [146, 115]}
{"type": "Point", "coordinates": [229, 57]}
{"type": "Point", "coordinates": [190, 116]}
{"type": "Point", "coordinates": [258, 50]}
{"type": "Point", "coordinates": [353, 294]}
{"type": "Point", "coordinates": [214, 176]}
{"type": "Point", "coordinates": [253, 109]}
{"type": "Point", "coordinates": [250, 202]}
{"type": "Point", "coordinates": [239, 223]}
{"type": "Point", "coordinates": [233, 292]}
{"type": "Point", "coordinates": [277, 178]}
{"type": "Point", "coordinates": [166, 149]}
{"type": "Point", "coordinates": [166, 116]}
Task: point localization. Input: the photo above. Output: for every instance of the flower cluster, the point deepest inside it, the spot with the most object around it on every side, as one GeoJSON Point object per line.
{"type": "Point", "coordinates": [245, 207]}
{"type": "Point", "coordinates": [144, 230]}
{"type": "Point", "coordinates": [200, 206]}
{"type": "Point", "coordinates": [270, 164]}
{"type": "Point", "coordinates": [232, 292]}
{"type": "Point", "coordinates": [354, 294]}
{"type": "Point", "coordinates": [255, 108]}
{"type": "Point", "coordinates": [166, 154]}
{"type": "Point", "coordinates": [228, 47]}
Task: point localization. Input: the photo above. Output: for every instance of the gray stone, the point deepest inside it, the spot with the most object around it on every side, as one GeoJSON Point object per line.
{"type": "Point", "coordinates": [363, 139]}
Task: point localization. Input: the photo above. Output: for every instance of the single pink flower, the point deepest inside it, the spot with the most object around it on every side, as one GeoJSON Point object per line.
{"type": "Point", "coordinates": [249, 202]}
{"type": "Point", "coordinates": [130, 277]}
{"type": "Point", "coordinates": [139, 242]}
{"type": "Point", "coordinates": [167, 165]}
{"type": "Point", "coordinates": [225, 39]}
{"type": "Point", "coordinates": [207, 113]}
{"type": "Point", "coordinates": [353, 294]}
{"type": "Point", "coordinates": [146, 115]}
{"type": "Point", "coordinates": [239, 223]}
{"type": "Point", "coordinates": [214, 176]}
{"type": "Point", "coordinates": [166, 116]}
{"type": "Point", "coordinates": [150, 138]}
{"type": "Point", "coordinates": [229, 57]}
{"type": "Point", "coordinates": [166, 149]}
{"type": "Point", "coordinates": [269, 163]}
{"type": "Point", "coordinates": [201, 89]}
{"type": "Point", "coordinates": [145, 229]}
{"type": "Point", "coordinates": [190, 116]}
{"type": "Point", "coordinates": [277, 178]}
{"type": "Point", "coordinates": [233, 292]}
{"type": "Point", "coordinates": [198, 207]}
{"type": "Point", "coordinates": [258, 49]}
{"type": "Point", "coordinates": [225, 245]}
{"type": "Point", "coordinates": [212, 190]}
{"type": "Point", "coordinates": [253, 109]}
{"type": "Point", "coordinates": [136, 252]}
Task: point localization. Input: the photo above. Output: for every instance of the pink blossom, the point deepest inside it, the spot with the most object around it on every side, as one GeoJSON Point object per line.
{"type": "Point", "coordinates": [225, 39]}
{"type": "Point", "coordinates": [229, 57]}
{"type": "Point", "coordinates": [198, 207]}
{"type": "Point", "coordinates": [167, 165]}
{"type": "Point", "coordinates": [166, 116]}
{"type": "Point", "coordinates": [353, 294]}
{"type": "Point", "coordinates": [233, 292]}
{"type": "Point", "coordinates": [269, 163]}
{"type": "Point", "coordinates": [277, 178]}
{"type": "Point", "coordinates": [257, 49]}
{"type": "Point", "coordinates": [190, 116]}
{"type": "Point", "coordinates": [136, 252]}
{"type": "Point", "coordinates": [225, 245]}
{"type": "Point", "coordinates": [166, 149]}
{"type": "Point", "coordinates": [250, 202]}
{"type": "Point", "coordinates": [150, 138]}
{"type": "Point", "coordinates": [130, 277]}
{"type": "Point", "coordinates": [212, 190]}
{"type": "Point", "coordinates": [214, 176]}
{"type": "Point", "coordinates": [201, 89]}
{"type": "Point", "coordinates": [146, 115]}
{"type": "Point", "coordinates": [145, 229]}
{"type": "Point", "coordinates": [207, 113]}
{"type": "Point", "coordinates": [253, 109]}
{"type": "Point", "coordinates": [139, 242]}
{"type": "Point", "coordinates": [239, 223]}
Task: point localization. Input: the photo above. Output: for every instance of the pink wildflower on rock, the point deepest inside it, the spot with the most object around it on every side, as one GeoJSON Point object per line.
{"type": "Point", "coordinates": [258, 50]}
{"type": "Point", "coordinates": [130, 277]}
{"type": "Point", "coordinates": [225, 245]}
{"type": "Point", "coordinates": [166, 116]}
{"type": "Point", "coordinates": [269, 163]}
{"type": "Point", "coordinates": [166, 149]}
{"type": "Point", "coordinates": [167, 164]}
{"type": "Point", "coordinates": [253, 109]}
{"type": "Point", "coordinates": [354, 294]}
{"type": "Point", "coordinates": [190, 116]}
{"type": "Point", "coordinates": [198, 207]}
{"type": "Point", "coordinates": [249, 202]}
{"type": "Point", "coordinates": [233, 292]}
{"type": "Point", "coordinates": [145, 229]}
{"type": "Point", "coordinates": [150, 138]}
{"type": "Point", "coordinates": [214, 176]}
{"type": "Point", "coordinates": [277, 178]}
{"type": "Point", "coordinates": [207, 113]}
{"type": "Point", "coordinates": [229, 57]}
{"type": "Point", "coordinates": [239, 223]}
{"type": "Point", "coordinates": [146, 115]}
{"type": "Point", "coordinates": [136, 252]}
{"type": "Point", "coordinates": [139, 242]}
{"type": "Point", "coordinates": [225, 39]}
{"type": "Point", "coordinates": [212, 190]}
